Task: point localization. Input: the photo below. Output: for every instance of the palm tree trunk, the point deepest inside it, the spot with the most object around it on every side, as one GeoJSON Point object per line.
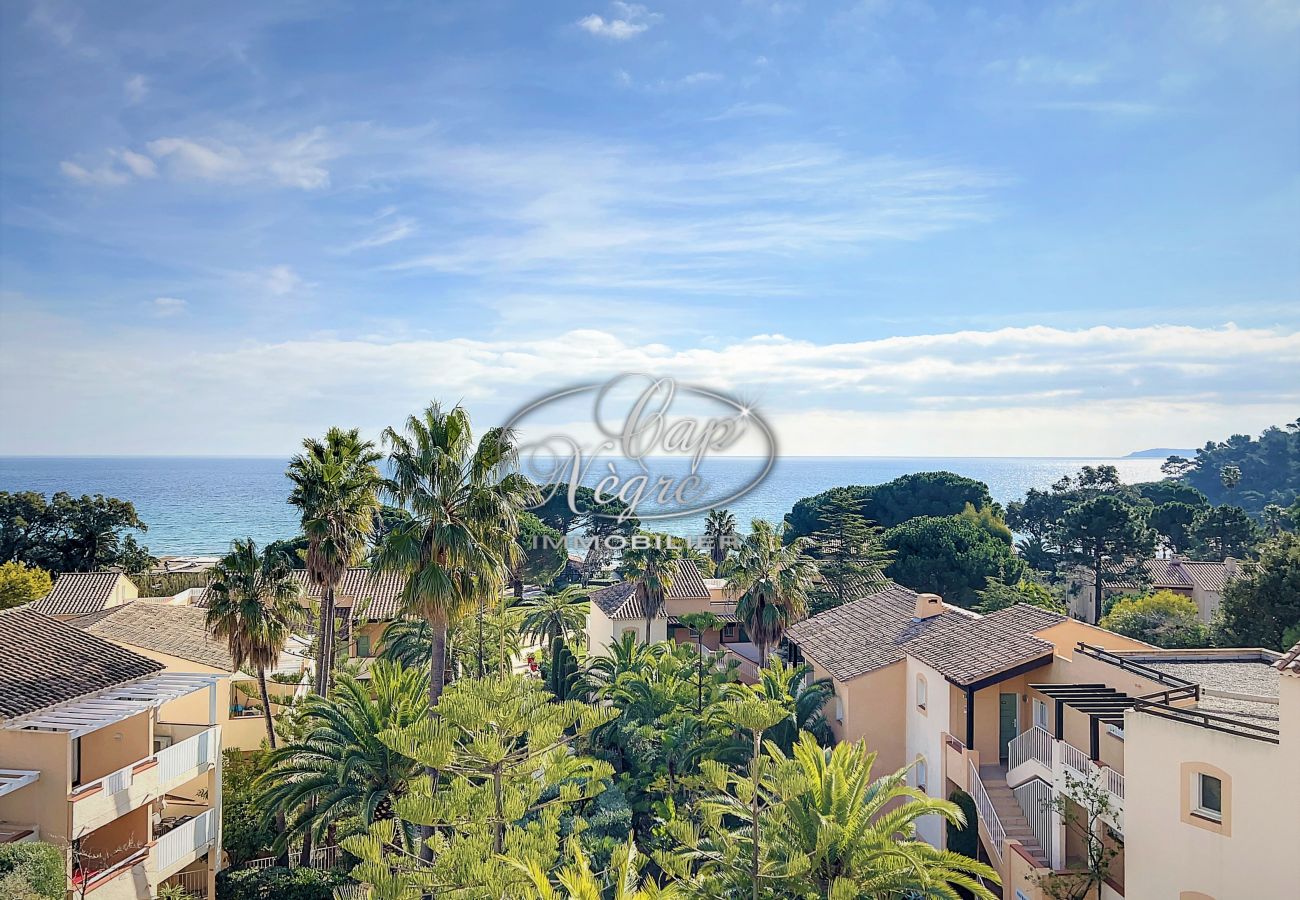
{"type": "Point", "coordinates": [325, 641]}
{"type": "Point", "coordinates": [304, 858]}
{"type": "Point", "coordinates": [266, 705]}
{"type": "Point", "coordinates": [437, 681]}
{"type": "Point", "coordinates": [1096, 591]}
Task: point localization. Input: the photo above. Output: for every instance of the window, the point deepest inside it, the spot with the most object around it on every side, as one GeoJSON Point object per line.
{"type": "Point", "coordinates": [1040, 714]}
{"type": "Point", "coordinates": [922, 695]}
{"type": "Point", "coordinates": [839, 709]}
{"type": "Point", "coordinates": [922, 773]}
{"type": "Point", "coordinates": [1209, 796]}
{"type": "Point", "coordinates": [363, 645]}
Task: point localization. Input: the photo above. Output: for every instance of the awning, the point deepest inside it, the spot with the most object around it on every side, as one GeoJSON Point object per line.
{"type": "Point", "coordinates": [1096, 700]}
{"type": "Point", "coordinates": [102, 708]}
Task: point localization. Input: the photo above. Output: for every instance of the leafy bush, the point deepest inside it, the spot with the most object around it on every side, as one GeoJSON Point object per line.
{"type": "Point", "coordinates": [246, 832]}
{"type": "Point", "coordinates": [32, 870]}
{"type": "Point", "coordinates": [278, 884]}
{"type": "Point", "coordinates": [966, 839]}
{"type": "Point", "coordinates": [1164, 618]}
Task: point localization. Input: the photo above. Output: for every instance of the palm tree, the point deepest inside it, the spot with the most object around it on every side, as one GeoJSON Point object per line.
{"type": "Point", "coordinates": [856, 832]}
{"type": "Point", "coordinates": [548, 616]}
{"type": "Point", "coordinates": [339, 769]}
{"type": "Point", "coordinates": [627, 654]}
{"type": "Point", "coordinates": [335, 486]}
{"type": "Point", "coordinates": [700, 622]}
{"type": "Point", "coordinates": [773, 580]}
{"type": "Point", "coordinates": [720, 529]}
{"type": "Point", "coordinates": [575, 880]}
{"type": "Point", "coordinates": [464, 500]}
{"type": "Point", "coordinates": [805, 699]}
{"type": "Point", "coordinates": [253, 603]}
{"type": "Point", "coordinates": [407, 642]}
{"type": "Point", "coordinates": [652, 568]}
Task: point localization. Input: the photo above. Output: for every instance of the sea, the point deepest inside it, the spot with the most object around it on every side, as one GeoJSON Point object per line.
{"type": "Point", "coordinates": [198, 505]}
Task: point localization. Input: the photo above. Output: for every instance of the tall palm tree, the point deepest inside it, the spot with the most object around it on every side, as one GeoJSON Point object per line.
{"type": "Point", "coordinates": [548, 616]}
{"type": "Point", "coordinates": [772, 579]}
{"type": "Point", "coordinates": [720, 529]}
{"type": "Point", "coordinates": [339, 768]}
{"type": "Point", "coordinates": [464, 500]}
{"type": "Point", "coordinates": [652, 568]}
{"type": "Point", "coordinates": [253, 603]}
{"type": "Point", "coordinates": [335, 487]}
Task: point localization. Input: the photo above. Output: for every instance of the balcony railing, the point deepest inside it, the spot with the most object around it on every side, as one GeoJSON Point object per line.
{"type": "Point", "coordinates": [197, 752]}
{"type": "Point", "coordinates": [1076, 759]}
{"type": "Point", "coordinates": [1035, 744]}
{"type": "Point", "coordinates": [987, 814]}
{"type": "Point", "coordinates": [177, 846]}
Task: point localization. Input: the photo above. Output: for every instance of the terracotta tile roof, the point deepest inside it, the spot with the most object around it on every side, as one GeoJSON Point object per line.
{"type": "Point", "coordinates": [1290, 661]}
{"type": "Point", "coordinates": [620, 601]}
{"type": "Point", "coordinates": [1208, 576]}
{"type": "Point", "coordinates": [373, 595]}
{"type": "Point", "coordinates": [880, 629]}
{"type": "Point", "coordinates": [1182, 574]}
{"type": "Point", "coordinates": [44, 661]}
{"type": "Point", "coordinates": [78, 593]}
{"type": "Point", "coordinates": [687, 583]}
{"type": "Point", "coordinates": [88, 619]}
{"type": "Point", "coordinates": [175, 630]}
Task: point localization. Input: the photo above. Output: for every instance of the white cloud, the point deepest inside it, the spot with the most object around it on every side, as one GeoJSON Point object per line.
{"type": "Point", "coordinates": [140, 165]}
{"type": "Point", "coordinates": [165, 307]}
{"type": "Point", "coordinates": [627, 21]}
{"type": "Point", "coordinates": [103, 176]}
{"type": "Point", "coordinates": [749, 110]}
{"type": "Point", "coordinates": [1050, 71]}
{"type": "Point", "coordinates": [388, 228]}
{"type": "Point", "coordinates": [136, 88]}
{"type": "Point", "coordinates": [278, 281]}
{"type": "Point", "coordinates": [1008, 391]}
{"type": "Point", "coordinates": [1127, 108]}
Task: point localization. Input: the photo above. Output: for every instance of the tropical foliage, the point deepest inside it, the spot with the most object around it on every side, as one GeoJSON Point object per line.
{"type": "Point", "coordinates": [773, 578]}
{"type": "Point", "coordinates": [21, 583]}
{"type": "Point", "coordinates": [1163, 618]}
{"type": "Point", "coordinates": [71, 534]}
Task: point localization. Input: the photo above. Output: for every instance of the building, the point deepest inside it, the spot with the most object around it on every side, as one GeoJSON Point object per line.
{"type": "Point", "coordinates": [1201, 580]}
{"type": "Point", "coordinates": [617, 610]}
{"type": "Point", "coordinates": [79, 593]}
{"type": "Point", "coordinates": [178, 637]}
{"type": "Point", "coordinates": [1018, 707]}
{"type": "Point", "coordinates": [109, 756]}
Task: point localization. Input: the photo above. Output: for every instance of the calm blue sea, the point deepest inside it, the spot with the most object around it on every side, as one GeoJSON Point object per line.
{"type": "Point", "coordinates": [198, 505]}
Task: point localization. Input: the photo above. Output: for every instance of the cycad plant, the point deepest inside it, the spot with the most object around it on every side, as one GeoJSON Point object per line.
{"type": "Point", "coordinates": [335, 484]}
{"type": "Point", "coordinates": [772, 579]}
{"type": "Point", "coordinates": [559, 615]}
{"type": "Point", "coordinates": [805, 699]}
{"type": "Point", "coordinates": [338, 769]}
{"type": "Point", "coordinates": [254, 605]}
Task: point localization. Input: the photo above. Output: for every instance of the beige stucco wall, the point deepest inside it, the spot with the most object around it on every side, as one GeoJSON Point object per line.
{"type": "Point", "coordinates": [603, 631]}
{"type": "Point", "coordinates": [924, 739]}
{"type": "Point", "coordinates": [45, 802]}
{"type": "Point", "coordinates": [872, 711]}
{"type": "Point", "coordinates": [1168, 855]}
{"type": "Point", "coordinates": [1065, 635]}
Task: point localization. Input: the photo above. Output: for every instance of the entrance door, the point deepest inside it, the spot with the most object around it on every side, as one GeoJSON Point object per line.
{"type": "Point", "coordinates": [1008, 720]}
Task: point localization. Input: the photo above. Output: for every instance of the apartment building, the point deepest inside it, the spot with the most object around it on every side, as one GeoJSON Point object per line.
{"type": "Point", "coordinates": [618, 610]}
{"type": "Point", "coordinates": [1202, 581]}
{"type": "Point", "coordinates": [178, 637]}
{"type": "Point", "coordinates": [1020, 707]}
{"type": "Point", "coordinates": [109, 756]}
{"type": "Point", "coordinates": [80, 593]}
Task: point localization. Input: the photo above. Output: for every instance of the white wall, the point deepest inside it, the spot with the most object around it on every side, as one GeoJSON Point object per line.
{"type": "Point", "coordinates": [924, 737]}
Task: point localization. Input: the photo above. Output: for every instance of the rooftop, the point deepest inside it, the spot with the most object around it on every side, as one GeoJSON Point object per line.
{"type": "Point", "coordinates": [370, 593]}
{"type": "Point", "coordinates": [620, 601]}
{"type": "Point", "coordinates": [44, 662]}
{"type": "Point", "coordinates": [179, 631]}
{"type": "Point", "coordinates": [1185, 574]}
{"type": "Point", "coordinates": [77, 593]}
{"type": "Point", "coordinates": [880, 629]}
{"type": "Point", "coordinates": [1234, 682]}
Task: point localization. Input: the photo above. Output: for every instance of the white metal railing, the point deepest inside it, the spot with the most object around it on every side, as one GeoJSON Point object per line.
{"type": "Point", "coordinates": [1115, 782]}
{"type": "Point", "coordinates": [1076, 759]}
{"type": "Point", "coordinates": [321, 858]}
{"type": "Point", "coordinates": [184, 839]}
{"type": "Point", "coordinates": [989, 815]}
{"type": "Point", "coordinates": [1036, 743]}
{"type": "Point", "coordinates": [192, 753]}
{"type": "Point", "coordinates": [1035, 799]}
{"type": "Point", "coordinates": [193, 883]}
{"type": "Point", "coordinates": [112, 783]}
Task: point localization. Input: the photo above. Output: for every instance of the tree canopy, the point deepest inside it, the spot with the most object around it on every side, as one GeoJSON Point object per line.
{"type": "Point", "coordinates": [71, 534]}
{"type": "Point", "coordinates": [1259, 470]}
{"type": "Point", "coordinates": [1164, 618]}
{"type": "Point", "coordinates": [891, 503]}
{"type": "Point", "coordinates": [952, 556]}
{"type": "Point", "coordinates": [1262, 607]}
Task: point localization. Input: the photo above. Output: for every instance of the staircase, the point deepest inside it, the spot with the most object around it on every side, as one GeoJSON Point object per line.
{"type": "Point", "coordinates": [1009, 812]}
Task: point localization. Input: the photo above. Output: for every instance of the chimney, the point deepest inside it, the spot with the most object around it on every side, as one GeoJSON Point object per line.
{"type": "Point", "coordinates": [928, 605]}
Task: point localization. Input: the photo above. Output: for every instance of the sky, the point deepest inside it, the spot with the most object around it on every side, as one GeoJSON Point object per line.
{"type": "Point", "coordinates": [894, 227]}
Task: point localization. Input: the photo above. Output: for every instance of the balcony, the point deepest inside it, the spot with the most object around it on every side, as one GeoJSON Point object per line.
{"type": "Point", "coordinates": [132, 786]}
{"type": "Point", "coordinates": [185, 842]}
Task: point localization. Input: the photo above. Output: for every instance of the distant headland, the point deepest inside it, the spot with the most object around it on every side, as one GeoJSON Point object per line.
{"type": "Point", "coordinates": [1159, 452]}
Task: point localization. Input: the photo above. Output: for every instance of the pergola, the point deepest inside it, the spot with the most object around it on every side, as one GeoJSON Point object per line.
{"type": "Point", "coordinates": [13, 779]}
{"type": "Point", "coordinates": [98, 710]}
{"type": "Point", "coordinates": [1098, 702]}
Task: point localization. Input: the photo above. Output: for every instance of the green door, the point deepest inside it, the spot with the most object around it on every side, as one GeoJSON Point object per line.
{"type": "Point", "coordinates": [1006, 722]}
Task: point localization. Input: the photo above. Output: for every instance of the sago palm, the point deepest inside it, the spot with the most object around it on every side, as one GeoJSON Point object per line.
{"type": "Point", "coordinates": [335, 484]}
{"type": "Point", "coordinates": [254, 605]}
{"type": "Point", "coordinates": [339, 769]}
{"type": "Point", "coordinates": [464, 500]}
{"type": "Point", "coordinates": [806, 699]}
{"type": "Point", "coordinates": [562, 615]}
{"type": "Point", "coordinates": [627, 654]}
{"type": "Point", "coordinates": [773, 580]}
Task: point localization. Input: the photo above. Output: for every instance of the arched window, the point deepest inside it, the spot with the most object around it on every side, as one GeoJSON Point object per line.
{"type": "Point", "coordinates": [922, 693]}
{"type": "Point", "coordinates": [922, 773]}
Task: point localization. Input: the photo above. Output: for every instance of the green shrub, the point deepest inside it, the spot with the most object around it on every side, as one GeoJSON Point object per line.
{"type": "Point", "coordinates": [278, 884]}
{"type": "Point", "coordinates": [32, 870]}
{"type": "Point", "coordinates": [965, 840]}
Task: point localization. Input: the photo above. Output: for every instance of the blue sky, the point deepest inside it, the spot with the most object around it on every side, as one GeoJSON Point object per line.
{"type": "Point", "coordinates": [898, 227]}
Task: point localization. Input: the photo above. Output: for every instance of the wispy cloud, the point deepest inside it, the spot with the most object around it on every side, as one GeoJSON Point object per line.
{"type": "Point", "coordinates": [1128, 108]}
{"type": "Point", "coordinates": [136, 88]}
{"type": "Point", "coordinates": [625, 22]}
{"type": "Point", "coordinates": [166, 307]}
{"type": "Point", "coordinates": [749, 110]}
